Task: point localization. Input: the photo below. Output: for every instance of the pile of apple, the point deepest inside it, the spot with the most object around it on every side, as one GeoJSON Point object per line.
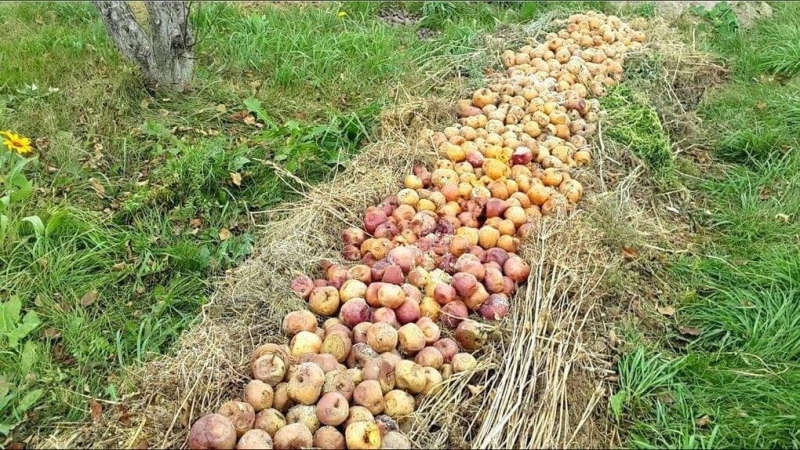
{"type": "Point", "coordinates": [443, 247]}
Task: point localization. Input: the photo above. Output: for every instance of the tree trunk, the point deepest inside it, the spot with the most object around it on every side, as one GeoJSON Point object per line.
{"type": "Point", "coordinates": [172, 42]}
{"type": "Point", "coordinates": [166, 57]}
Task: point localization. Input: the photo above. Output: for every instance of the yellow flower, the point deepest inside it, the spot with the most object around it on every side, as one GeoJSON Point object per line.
{"type": "Point", "coordinates": [341, 14]}
{"type": "Point", "coordinates": [16, 143]}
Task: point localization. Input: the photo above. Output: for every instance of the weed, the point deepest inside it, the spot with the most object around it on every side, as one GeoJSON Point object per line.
{"type": "Point", "coordinates": [635, 124]}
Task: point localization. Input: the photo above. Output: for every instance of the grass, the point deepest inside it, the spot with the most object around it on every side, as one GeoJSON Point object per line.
{"type": "Point", "coordinates": [726, 373]}
{"type": "Point", "coordinates": [635, 124]}
{"type": "Point", "coordinates": [136, 199]}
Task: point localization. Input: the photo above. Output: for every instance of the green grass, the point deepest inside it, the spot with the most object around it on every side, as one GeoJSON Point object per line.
{"type": "Point", "coordinates": [634, 123]}
{"type": "Point", "coordinates": [734, 385]}
{"type": "Point", "coordinates": [106, 257]}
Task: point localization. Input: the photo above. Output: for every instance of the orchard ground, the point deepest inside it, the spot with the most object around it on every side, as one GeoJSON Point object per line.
{"type": "Point", "coordinates": [146, 198]}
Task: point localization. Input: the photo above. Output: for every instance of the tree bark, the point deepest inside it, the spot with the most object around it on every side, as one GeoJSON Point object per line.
{"type": "Point", "coordinates": [172, 42]}
{"type": "Point", "coordinates": [165, 57]}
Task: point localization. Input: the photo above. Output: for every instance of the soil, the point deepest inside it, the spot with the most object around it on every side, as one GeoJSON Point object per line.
{"type": "Point", "coordinates": [746, 12]}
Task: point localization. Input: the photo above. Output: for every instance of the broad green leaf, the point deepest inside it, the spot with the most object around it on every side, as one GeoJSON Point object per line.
{"type": "Point", "coordinates": [9, 313]}
{"type": "Point", "coordinates": [239, 162]}
{"type": "Point", "coordinates": [617, 401]}
{"type": "Point", "coordinates": [17, 333]}
{"type": "Point", "coordinates": [5, 429]}
{"type": "Point", "coordinates": [27, 357]}
{"type": "Point", "coordinates": [254, 106]}
{"type": "Point", "coordinates": [27, 401]}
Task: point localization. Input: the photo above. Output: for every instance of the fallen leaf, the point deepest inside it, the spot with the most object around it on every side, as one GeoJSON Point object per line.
{"type": "Point", "coordinates": [783, 217]}
{"type": "Point", "coordinates": [703, 421]}
{"type": "Point", "coordinates": [689, 331]}
{"type": "Point", "coordinates": [221, 108]}
{"type": "Point", "coordinates": [124, 417]}
{"type": "Point", "coordinates": [224, 234]}
{"type": "Point", "coordinates": [236, 178]}
{"type": "Point", "coordinates": [612, 339]}
{"type": "Point", "coordinates": [667, 311]}
{"type": "Point", "coordinates": [476, 390]}
{"type": "Point", "coordinates": [761, 105]}
{"type": "Point", "coordinates": [765, 193]}
{"type": "Point", "coordinates": [196, 222]}
{"type": "Point", "coordinates": [51, 333]}
{"type": "Point", "coordinates": [97, 410]}
{"type": "Point", "coordinates": [99, 189]}
{"type": "Point", "coordinates": [184, 417]}
{"type": "Point", "coordinates": [630, 252]}
{"type": "Point", "coordinates": [89, 298]}
{"type": "Point", "coordinates": [249, 120]}
{"type": "Point", "coordinates": [141, 444]}
{"type": "Point", "coordinates": [118, 267]}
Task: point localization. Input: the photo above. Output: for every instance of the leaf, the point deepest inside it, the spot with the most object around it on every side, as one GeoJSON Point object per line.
{"type": "Point", "coordinates": [239, 162]}
{"type": "Point", "coordinates": [36, 222]}
{"type": "Point", "coordinates": [224, 234]}
{"type": "Point", "coordinates": [89, 298]}
{"type": "Point", "coordinates": [27, 401]}
{"type": "Point", "coordinates": [99, 189]}
{"type": "Point", "coordinates": [239, 116]}
{"type": "Point", "coordinates": [9, 313]}
{"type": "Point", "coordinates": [703, 422]}
{"type": "Point", "coordinates": [28, 357]}
{"type": "Point", "coordinates": [667, 311]}
{"type": "Point", "coordinates": [97, 410]}
{"type": "Point", "coordinates": [689, 331]}
{"type": "Point", "coordinates": [617, 401]}
{"type": "Point", "coordinates": [12, 329]}
{"type": "Point", "coordinates": [124, 417]}
{"type": "Point", "coordinates": [51, 333]}
{"type": "Point", "coordinates": [249, 120]}
{"type": "Point", "coordinates": [630, 252]}
{"type": "Point", "coordinates": [236, 178]}
{"type": "Point", "coordinates": [221, 108]}
{"type": "Point", "coordinates": [254, 106]}
{"type": "Point", "coordinates": [476, 390]}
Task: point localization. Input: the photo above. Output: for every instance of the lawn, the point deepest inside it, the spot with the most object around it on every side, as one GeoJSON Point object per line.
{"type": "Point", "coordinates": [134, 202]}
